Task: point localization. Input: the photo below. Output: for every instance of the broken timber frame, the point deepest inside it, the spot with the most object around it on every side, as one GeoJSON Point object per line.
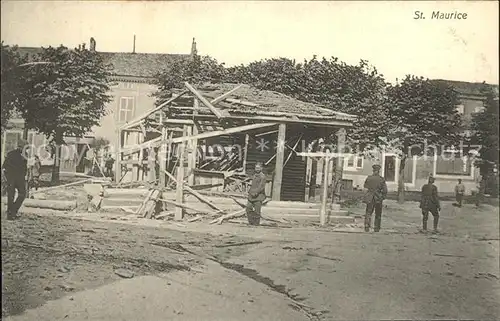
{"type": "Point", "coordinates": [198, 125]}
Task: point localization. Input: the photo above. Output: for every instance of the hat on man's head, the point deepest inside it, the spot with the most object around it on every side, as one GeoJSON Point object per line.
{"type": "Point", "coordinates": [376, 166]}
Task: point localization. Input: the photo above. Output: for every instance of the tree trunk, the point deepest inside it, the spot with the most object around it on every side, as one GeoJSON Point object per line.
{"type": "Point", "coordinates": [401, 179]}
{"type": "Point", "coordinates": [25, 133]}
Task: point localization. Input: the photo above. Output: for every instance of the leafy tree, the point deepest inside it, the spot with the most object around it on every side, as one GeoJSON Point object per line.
{"type": "Point", "coordinates": [12, 77]}
{"type": "Point", "coordinates": [195, 70]}
{"type": "Point", "coordinates": [421, 111]}
{"type": "Point", "coordinates": [67, 96]}
{"type": "Point", "coordinates": [485, 133]}
{"type": "Point", "coordinates": [357, 90]}
{"type": "Point", "coordinates": [278, 74]}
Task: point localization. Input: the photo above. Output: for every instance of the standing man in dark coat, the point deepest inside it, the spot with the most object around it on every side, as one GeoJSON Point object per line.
{"type": "Point", "coordinates": [256, 195]}
{"type": "Point", "coordinates": [15, 168]}
{"type": "Point", "coordinates": [430, 203]}
{"type": "Point", "coordinates": [108, 164]}
{"type": "Point", "coordinates": [375, 193]}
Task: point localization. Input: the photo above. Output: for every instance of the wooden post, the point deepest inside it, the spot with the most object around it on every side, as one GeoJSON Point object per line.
{"type": "Point", "coordinates": [118, 169]}
{"type": "Point", "coordinates": [324, 192]}
{"type": "Point", "coordinates": [193, 146]}
{"type": "Point", "coordinates": [245, 153]}
{"type": "Point", "coordinates": [337, 181]}
{"type": "Point", "coordinates": [179, 211]}
{"type": "Point", "coordinates": [280, 157]}
{"type": "Point", "coordinates": [140, 166]}
{"type": "Point", "coordinates": [162, 157]}
{"type": "Point", "coordinates": [151, 165]}
{"type": "Point", "coordinates": [169, 149]}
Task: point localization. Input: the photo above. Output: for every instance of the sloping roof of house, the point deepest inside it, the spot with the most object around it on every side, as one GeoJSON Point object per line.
{"type": "Point", "coordinates": [144, 65]}
{"type": "Point", "coordinates": [248, 100]}
{"type": "Point", "coordinates": [467, 88]}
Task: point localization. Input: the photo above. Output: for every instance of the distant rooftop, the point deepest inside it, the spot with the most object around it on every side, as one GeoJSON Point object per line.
{"type": "Point", "coordinates": [127, 63]}
{"type": "Point", "coordinates": [467, 88]}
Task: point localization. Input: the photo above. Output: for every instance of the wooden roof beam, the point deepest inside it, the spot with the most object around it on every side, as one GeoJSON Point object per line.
{"type": "Point", "coordinates": [233, 130]}
{"type": "Point", "coordinates": [205, 102]}
{"type": "Point", "coordinates": [224, 96]}
{"type": "Point", "coordinates": [152, 111]}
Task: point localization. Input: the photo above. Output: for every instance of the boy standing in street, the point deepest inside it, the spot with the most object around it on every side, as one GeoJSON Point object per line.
{"type": "Point", "coordinates": [459, 192]}
{"type": "Point", "coordinates": [35, 173]}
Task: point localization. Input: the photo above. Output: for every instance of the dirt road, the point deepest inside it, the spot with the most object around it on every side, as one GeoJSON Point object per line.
{"type": "Point", "coordinates": [63, 268]}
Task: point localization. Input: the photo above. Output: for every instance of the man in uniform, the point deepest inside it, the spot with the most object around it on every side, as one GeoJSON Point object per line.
{"type": "Point", "coordinates": [108, 164]}
{"type": "Point", "coordinates": [459, 192]}
{"type": "Point", "coordinates": [256, 195]}
{"type": "Point", "coordinates": [429, 202]}
{"type": "Point", "coordinates": [375, 193]}
{"type": "Point", "coordinates": [15, 168]}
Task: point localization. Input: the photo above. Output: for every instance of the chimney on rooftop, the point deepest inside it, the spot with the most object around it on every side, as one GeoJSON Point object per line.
{"type": "Point", "coordinates": [194, 51]}
{"type": "Point", "coordinates": [133, 49]}
{"type": "Point", "coordinates": [92, 44]}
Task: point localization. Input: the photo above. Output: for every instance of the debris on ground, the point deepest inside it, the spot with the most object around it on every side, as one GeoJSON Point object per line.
{"type": "Point", "coordinates": [124, 273]}
{"type": "Point", "coordinates": [486, 276]}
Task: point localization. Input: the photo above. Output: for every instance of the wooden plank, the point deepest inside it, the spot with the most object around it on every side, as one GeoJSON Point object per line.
{"type": "Point", "coordinates": [205, 102]}
{"type": "Point", "coordinates": [151, 205]}
{"type": "Point", "coordinates": [186, 206]}
{"type": "Point", "coordinates": [140, 208]}
{"type": "Point", "coordinates": [61, 186]}
{"type": "Point", "coordinates": [280, 155]}
{"type": "Point", "coordinates": [143, 129]}
{"type": "Point", "coordinates": [162, 157]}
{"type": "Point", "coordinates": [266, 133]}
{"type": "Point", "coordinates": [195, 193]}
{"type": "Point", "coordinates": [224, 96]}
{"type": "Point", "coordinates": [324, 121]}
{"type": "Point", "coordinates": [154, 110]}
{"type": "Point", "coordinates": [118, 157]}
{"type": "Point", "coordinates": [233, 130]}
{"type": "Point", "coordinates": [179, 188]}
{"type": "Point", "coordinates": [337, 181]}
{"type": "Point", "coordinates": [190, 166]}
{"type": "Point", "coordinates": [193, 146]}
{"type": "Point", "coordinates": [235, 214]}
{"type": "Point", "coordinates": [169, 151]}
{"type": "Point", "coordinates": [242, 102]}
{"type": "Point", "coordinates": [134, 162]}
{"type": "Point", "coordinates": [245, 153]}
{"type": "Point", "coordinates": [152, 165]}
{"type": "Point", "coordinates": [137, 171]}
{"type": "Point", "coordinates": [292, 150]}
{"type": "Point", "coordinates": [319, 154]}
{"type": "Point", "coordinates": [324, 193]}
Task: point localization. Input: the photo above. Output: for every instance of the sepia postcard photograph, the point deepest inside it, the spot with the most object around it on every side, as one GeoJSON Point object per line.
{"type": "Point", "coordinates": [250, 160]}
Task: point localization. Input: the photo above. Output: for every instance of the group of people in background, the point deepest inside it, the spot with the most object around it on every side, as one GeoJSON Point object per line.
{"type": "Point", "coordinates": [20, 179]}
{"type": "Point", "coordinates": [376, 192]}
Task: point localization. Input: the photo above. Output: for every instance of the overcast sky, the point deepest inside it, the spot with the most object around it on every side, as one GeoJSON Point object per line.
{"type": "Point", "coordinates": [234, 32]}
